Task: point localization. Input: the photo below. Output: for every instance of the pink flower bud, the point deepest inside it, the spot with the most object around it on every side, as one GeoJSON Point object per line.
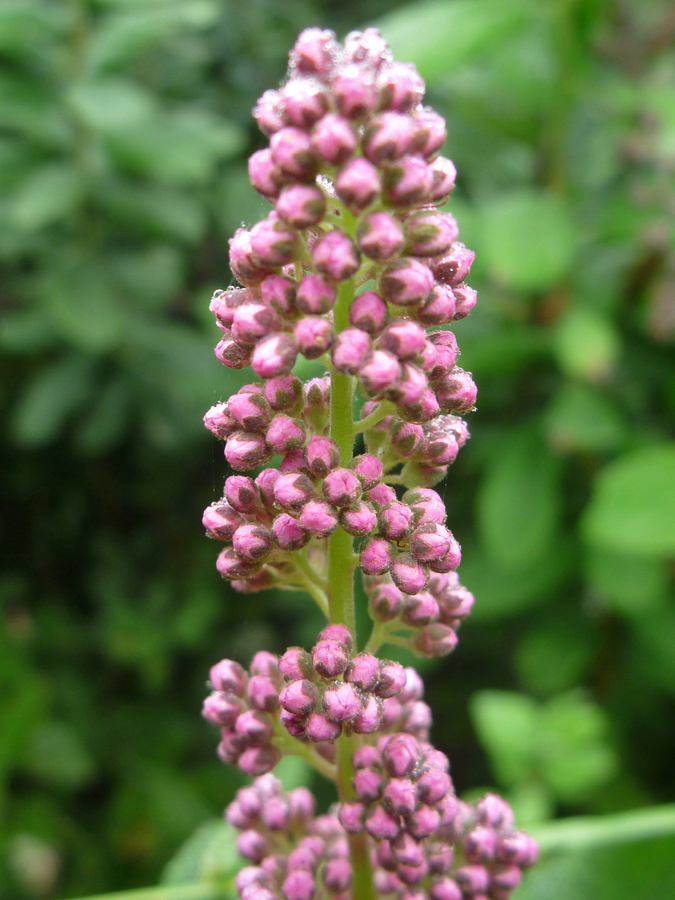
{"type": "Point", "coordinates": [322, 455]}
{"type": "Point", "coordinates": [387, 603]}
{"type": "Point", "coordinates": [228, 675]}
{"type": "Point", "coordinates": [341, 702]}
{"type": "Point", "coordinates": [301, 205]}
{"type": "Point", "coordinates": [265, 663]}
{"type": "Point", "coordinates": [258, 760]}
{"type": "Point", "coordinates": [246, 449]}
{"type": "Point", "coordinates": [363, 672]}
{"type": "Point", "coordinates": [400, 797]}
{"type": "Point", "coordinates": [335, 256]}
{"type": "Point", "coordinates": [368, 783]}
{"type": "Point", "coordinates": [439, 308]}
{"type": "Point", "coordinates": [407, 182]}
{"type": "Point", "coordinates": [380, 372]}
{"type": "Point", "coordinates": [455, 392]}
{"type": "Point", "coordinates": [252, 541]}
{"type": "Point", "coordinates": [404, 338]}
{"type": "Point", "coordinates": [319, 518]}
{"type": "Point", "coordinates": [354, 91]}
{"type": "Point", "coordinates": [350, 351]}
{"type": "Point", "coordinates": [368, 469]}
{"type": "Point", "coordinates": [274, 814]}
{"type": "Point", "coordinates": [472, 879]}
{"type": "Point", "coordinates": [252, 322]}
{"type": "Point", "coordinates": [288, 534]}
{"type": "Point", "coordinates": [380, 825]}
{"type": "Point", "coordinates": [285, 433]}
{"type": "Point", "coordinates": [250, 411]}
{"type": "Point", "coordinates": [380, 236]}
{"type": "Point", "coordinates": [292, 153]}
{"type": "Point", "coordinates": [380, 495]}
{"type": "Point", "coordinates": [315, 296]}
{"type": "Point", "coordinates": [518, 848]}
{"type": "Point", "coordinates": [387, 137]}
{"type": "Point", "coordinates": [252, 845]}
{"type": "Point", "coordinates": [264, 482]}
{"type": "Point", "coordinates": [330, 658]}
{"type": "Point", "coordinates": [256, 727]}
{"type": "Point", "coordinates": [320, 728]}
{"type": "Point", "coordinates": [341, 487]}
{"type": "Point", "coordinates": [504, 880]}
{"type": "Point", "coordinates": [298, 697]}
{"type": "Point", "coordinates": [410, 388]}
{"type": "Point", "coordinates": [409, 575]}
{"type": "Point", "coordinates": [429, 132]}
{"type": "Point", "coordinates": [278, 292]}
{"type": "Point", "coordinates": [376, 556]}
{"type": "Point", "coordinates": [302, 858]}
{"type": "Point", "coordinates": [315, 52]}
{"type": "Point", "coordinates": [435, 640]}
{"type": "Point", "coordinates": [407, 438]}
{"type": "Point", "coordinates": [400, 754]}
{"type": "Point", "coordinates": [400, 87]}
{"type": "Point", "coordinates": [337, 876]}
{"type": "Point", "coordinates": [274, 355]}
{"type": "Point", "coordinates": [446, 353]}
{"type": "Point", "coordinates": [270, 113]}
{"type": "Point", "coordinates": [293, 490]}
{"type": "Point", "coordinates": [358, 520]}
{"type": "Point", "coordinates": [224, 303]}
{"type": "Point", "coordinates": [368, 312]}
{"type": "Point", "coordinates": [367, 47]}
{"type": "Point", "coordinates": [221, 521]}
{"type": "Point", "coordinates": [299, 885]}
{"type": "Point", "coordinates": [351, 815]}
{"type": "Point", "coordinates": [453, 268]}
{"type": "Point", "coordinates": [420, 609]}
{"type": "Point", "coordinates": [493, 811]}
{"type": "Point", "coordinates": [455, 604]}
{"type": "Point", "coordinates": [465, 300]}
{"type": "Point", "coordinates": [443, 175]}
{"type": "Point", "coordinates": [295, 663]}
{"type": "Point", "coordinates": [305, 101]}
{"type": "Point", "coordinates": [431, 234]}
{"type": "Point", "coordinates": [358, 184]}
{"type": "Point", "coordinates": [301, 805]}
{"type": "Point", "coordinates": [417, 719]}
{"type": "Point", "coordinates": [395, 521]}
{"type": "Point", "coordinates": [295, 725]}
{"type": "Point", "coordinates": [391, 679]}
{"type": "Point", "coordinates": [221, 709]}
{"type": "Point", "coordinates": [369, 718]}
{"type": "Point", "coordinates": [440, 857]}
{"type": "Point", "coordinates": [407, 850]}
{"type": "Point", "coordinates": [231, 354]}
{"type": "Point", "coordinates": [263, 174]}
{"type": "Point", "coordinates": [245, 265]}
{"type": "Point", "coordinates": [263, 694]}
{"type": "Point", "coordinates": [314, 336]}
{"type": "Point", "coordinates": [338, 632]}
{"type": "Point", "coordinates": [333, 139]}
{"type": "Point", "coordinates": [445, 889]}
{"type": "Point", "coordinates": [274, 242]}
{"type": "Point", "coordinates": [480, 844]}
{"type": "Point", "coordinates": [284, 392]}
{"type": "Point", "coordinates": [407, 283]}
{"type": "Point", "coordinates": [431, 542]}
{"type": "Point", "coordinates": [433, 785]}
{"type": "Point", "coordinates": [220, 422]}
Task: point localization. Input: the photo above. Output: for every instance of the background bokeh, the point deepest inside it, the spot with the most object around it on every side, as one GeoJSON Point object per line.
{"type": "Point", "coordinates": [124, 131]}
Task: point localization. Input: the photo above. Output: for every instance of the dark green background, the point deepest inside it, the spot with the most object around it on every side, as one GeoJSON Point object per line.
{"type": "Point", "coordinates": [124, 130]}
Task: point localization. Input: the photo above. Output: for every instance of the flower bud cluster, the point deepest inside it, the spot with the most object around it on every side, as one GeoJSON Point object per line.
{"type": "Point", "coordinates": [426, 450]}
{"type": "Point", "coordinates": [243, 705]}
{"type": "Point", "coordinates": [431, 617]}
{"type": "Point", "coordinates": [294, 856]}
{"type": "Point", "coordinates": [329, 690]}
{"type": "Point", "coordinates": [404, 795]}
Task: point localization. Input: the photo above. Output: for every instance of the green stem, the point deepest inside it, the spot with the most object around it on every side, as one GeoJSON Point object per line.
{"type": "Point", "coordinates": [301, 563]}
{"type": "Point", "coordinates": [384, 409]}
{"type": "Point", "coordinates": [587, 832]}
{"type": "Point", "coordinates": [293, 747]}
{"type": "Point", "coordinates": [202, 890]}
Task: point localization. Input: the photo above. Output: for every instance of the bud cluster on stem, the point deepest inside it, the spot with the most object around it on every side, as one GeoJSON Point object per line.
{"type": "Point", "coordinates": [357, 265]}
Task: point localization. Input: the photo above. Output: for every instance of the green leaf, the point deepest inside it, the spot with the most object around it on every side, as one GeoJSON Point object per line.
{"type": "Point", "coordinates": [517, 506]}
{"type": "Point", "coordinates": [575, 755]}
{"type": "Point", "coordinates": [33, 111]}
{"type": "Point", "coordinates": [626, 584]}
{"type": "Point", "coordinates": [528, 240]}
{"type": "Point", "coordinates": [439, 37]}
{"type": "Point", "coordinates": [587, 345]}
{"type": "Point", "coordinates": [110, 105]}
{"type": "Point", "coordinates": [555, 656]}
{"type": "Point", "coordinates": [49, 399]}
{"type": "Point", "coordinates": [209, 854]}
{"type": "Point", "coordinates": [507, 725]}
{"type": "Point", "coordinates": [580, 419]}
{"type": "Point", "coordinates": [632, 509]}
{"type": "Point", "coordinates": [125, 34]}
{"type": "Point", "coordinates": [49, 194]}
{"type": "Point", "coordinates": [26, 26]}
{"type": "Point", "coordinates": [106, 418]}
{"type": "Point", "coordinates": [56, 756]}
{"type": "Point", "coordinates": [150, 210]}
{"type": "Point", "coordinates": [83, 306]}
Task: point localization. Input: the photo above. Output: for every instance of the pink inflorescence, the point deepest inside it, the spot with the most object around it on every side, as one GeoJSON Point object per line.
{"type": "Point", "coordinates": [473, 853]}
{"type": "Point", "coordinates": [357, 267]}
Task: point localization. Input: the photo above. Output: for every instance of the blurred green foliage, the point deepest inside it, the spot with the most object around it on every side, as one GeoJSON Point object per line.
{"type": "Point", "coordinates": [124, 130]}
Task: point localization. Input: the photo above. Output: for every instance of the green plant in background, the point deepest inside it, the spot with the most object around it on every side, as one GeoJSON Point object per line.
{"type": "Point", "coordinates": [560, 115]}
